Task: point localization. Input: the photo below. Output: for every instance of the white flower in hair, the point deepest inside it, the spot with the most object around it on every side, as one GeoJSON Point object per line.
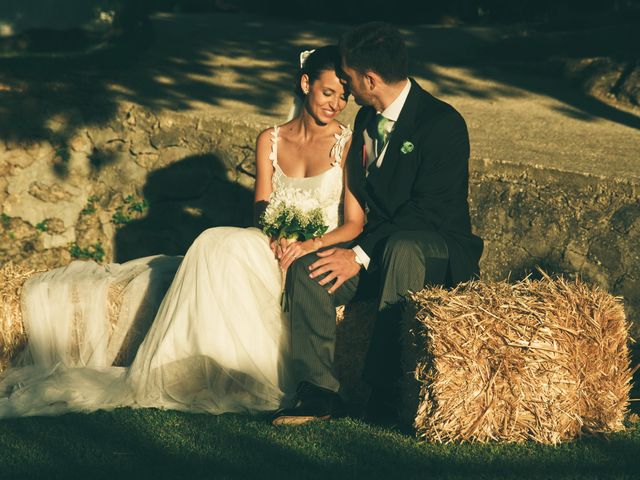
{"type": "Point", "coordinates": [304, 55]}
{"type": "Point", "coordinates": [297, 101]}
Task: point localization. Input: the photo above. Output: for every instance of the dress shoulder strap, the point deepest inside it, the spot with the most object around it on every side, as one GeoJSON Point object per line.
{"type": "Point", "coordinates": [341, 141]}
{"type": "Point", "coordinates": [273, 156]}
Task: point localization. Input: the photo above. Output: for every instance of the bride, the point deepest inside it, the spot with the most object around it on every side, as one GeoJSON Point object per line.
{"type": "Point", "coordinates": [218, 342]}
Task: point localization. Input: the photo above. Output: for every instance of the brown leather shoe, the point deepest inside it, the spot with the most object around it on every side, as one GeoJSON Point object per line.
{"type": "Point", "coordinates": [312, 403]}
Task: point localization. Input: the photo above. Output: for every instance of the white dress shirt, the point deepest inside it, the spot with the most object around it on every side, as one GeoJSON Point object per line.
{"type": "Point", "coordinates": [392, 112]}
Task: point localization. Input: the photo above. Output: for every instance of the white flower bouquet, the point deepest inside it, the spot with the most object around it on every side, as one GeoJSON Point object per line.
{"type": "Point", "coordinates": [293, 214]}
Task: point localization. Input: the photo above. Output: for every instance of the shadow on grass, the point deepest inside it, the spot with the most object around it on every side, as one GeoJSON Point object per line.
{"type": "Point", "coordinates": [156, 444]}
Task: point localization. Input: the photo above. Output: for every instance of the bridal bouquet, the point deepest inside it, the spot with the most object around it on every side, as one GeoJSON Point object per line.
{"type": "Point", "coordinates": [294, 215]}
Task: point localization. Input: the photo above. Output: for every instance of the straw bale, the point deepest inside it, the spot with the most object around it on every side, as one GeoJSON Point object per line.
{"type": "Point", "coordinates": [12, 334]}
{"type": "Point", "coordinates": [544, 360]}
{"type": "Point", "coordinates": [121, 353]}
{"type": "Point", "coordinates": [129, 329]}
{"type": "Point", "coordinates": [132, 302]}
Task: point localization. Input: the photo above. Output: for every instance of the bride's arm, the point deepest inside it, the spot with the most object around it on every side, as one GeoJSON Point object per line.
{"type": "Point", "coordinates": [353, 221]}
{"type": "Point", "coordinates": [264, 173]}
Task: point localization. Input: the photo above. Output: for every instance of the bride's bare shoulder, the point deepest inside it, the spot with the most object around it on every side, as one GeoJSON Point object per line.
{"type": "Point", "coordinates": [264, 145]}
{"type": "Point", "coordinates": [265, 134]}
{"type": "Point", "coordinates": [265, 138]}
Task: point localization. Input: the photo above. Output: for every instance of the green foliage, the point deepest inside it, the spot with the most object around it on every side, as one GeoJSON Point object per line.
{"type": "Point", "coordinates": [93, 252]}
{"type": "Point", "coordinates": [91, 205]}
{"type": "Point", "coordinates": [139, 206]}
{"type": "Point", "coordinates": [43, 225]}
{"type": "Point", "coordinates": [134, 206]}
{"type": "Point", "coordinates": [5, 220]}
{"type": "Point", "coordinates": [120, 217]}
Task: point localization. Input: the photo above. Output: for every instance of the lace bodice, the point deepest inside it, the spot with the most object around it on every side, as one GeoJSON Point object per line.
{"type": "Point", "coordinates": [327, 187]}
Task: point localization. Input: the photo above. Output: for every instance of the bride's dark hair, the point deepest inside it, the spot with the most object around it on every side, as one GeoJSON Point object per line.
{"type": "Point", "coordinates": [321, 60]}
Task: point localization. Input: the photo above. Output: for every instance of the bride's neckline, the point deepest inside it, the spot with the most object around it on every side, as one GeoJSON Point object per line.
{"type": "Point", "coordinates": [332, 167]}
{"type": "Point", "coordinates": [336, 153]}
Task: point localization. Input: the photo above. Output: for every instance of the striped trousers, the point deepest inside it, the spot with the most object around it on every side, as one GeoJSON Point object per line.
{"type": "Point", "coordinates": [410, 261]}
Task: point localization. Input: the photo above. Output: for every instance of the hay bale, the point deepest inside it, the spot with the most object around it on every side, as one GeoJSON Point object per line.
{"type": "Point", "coordinates": [13, 337]}
{"type": "Point", "coordinates": [543, 360]}
{"type": "Point", "coordinates": [133, 298]}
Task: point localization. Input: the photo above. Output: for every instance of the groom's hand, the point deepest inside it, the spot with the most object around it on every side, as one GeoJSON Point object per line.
{"type": "Point", "coordinates": [338, 263]}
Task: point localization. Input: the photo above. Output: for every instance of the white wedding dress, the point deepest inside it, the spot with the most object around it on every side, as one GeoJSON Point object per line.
{"type": "Point", "coordinates": [217, 344]}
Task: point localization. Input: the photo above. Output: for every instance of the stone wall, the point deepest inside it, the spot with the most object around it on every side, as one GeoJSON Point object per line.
{"type": "Point", "coordinates": [150, 183]}
{"type": "Point", "coordinates": [561, 222]}
{"type": "Point", "coordinates": [145, 184]}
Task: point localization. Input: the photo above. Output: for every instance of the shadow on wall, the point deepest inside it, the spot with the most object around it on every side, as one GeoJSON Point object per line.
{"type": "Point", "coordinates": [186, 198]}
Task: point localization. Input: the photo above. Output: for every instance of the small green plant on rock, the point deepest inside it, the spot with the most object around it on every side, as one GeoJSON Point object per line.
{"type": "Point", "coordinates": [139, 206]}
{"type": "Point", "coordinates": [92, 252]}
{"type": "Point", "coordinates": [6, 220]}
{"type": "Point", "coordinates": [122, 215]}
{"type": "Point", "coordinates": [91, 205]}
{"type": "Point", "coordinates": [43, 226]}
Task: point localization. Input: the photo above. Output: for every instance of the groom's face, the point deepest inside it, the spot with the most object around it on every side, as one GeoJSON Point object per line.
{"type": "Point", "coordinates": [356, 83]}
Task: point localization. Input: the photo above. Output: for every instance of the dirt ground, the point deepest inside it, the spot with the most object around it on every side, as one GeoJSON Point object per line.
{"type": "Point", "coordinates": [516, 112]}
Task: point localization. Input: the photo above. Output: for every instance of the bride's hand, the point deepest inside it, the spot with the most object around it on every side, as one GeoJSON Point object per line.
{"type": "Point", "coordinates": [296, 250]}
{"type": "Point", "coordinates": [273, 244]}
{"type": "Point", "coordinates": [276, 247]}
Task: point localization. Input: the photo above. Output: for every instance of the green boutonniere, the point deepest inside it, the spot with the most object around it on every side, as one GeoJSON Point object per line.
{"type": "Point", "coordinates": [407, 147]}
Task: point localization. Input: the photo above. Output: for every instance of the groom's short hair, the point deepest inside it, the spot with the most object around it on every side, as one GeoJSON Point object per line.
{"type": "Point", "coordinates": [377, 47]}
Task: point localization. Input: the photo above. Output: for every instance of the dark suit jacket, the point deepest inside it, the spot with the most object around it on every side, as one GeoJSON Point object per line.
{"type": "Point", "coordinates": [422, 190]}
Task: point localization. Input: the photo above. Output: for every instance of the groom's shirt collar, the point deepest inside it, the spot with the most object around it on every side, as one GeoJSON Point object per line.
{"type": "Point", "coordinates": [392, 112]}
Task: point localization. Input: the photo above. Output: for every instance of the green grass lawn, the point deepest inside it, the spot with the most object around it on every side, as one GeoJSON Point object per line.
{"type": "Point", "coordinates": [161, 444]}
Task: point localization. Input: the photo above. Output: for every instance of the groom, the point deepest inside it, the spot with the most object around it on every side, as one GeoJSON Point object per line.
{"type": "Point", "coordinates": [408, 167]}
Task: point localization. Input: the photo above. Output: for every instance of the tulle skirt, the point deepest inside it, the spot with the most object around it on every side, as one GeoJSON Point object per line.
{"type": "Point", "coordinates": [218, 342]}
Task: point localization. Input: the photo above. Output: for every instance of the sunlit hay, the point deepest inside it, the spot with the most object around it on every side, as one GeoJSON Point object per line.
{"type": "Point", "coordinates": [133, 325]}
{"type": "Point", "coordinates": [134, 299]}
{"type": "Point", "coordinates": [543, 360]}
{"type": "Point", "coordinates": [353, 332]}
{"type": "Point", "coordinates": [115, 297]}
{"type": "Point", "coordinates": [13, 337]}
{"type": "Point", "coordinates": [114, 302]}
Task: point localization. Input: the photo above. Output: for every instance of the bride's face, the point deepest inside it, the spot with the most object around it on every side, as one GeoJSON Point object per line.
{"type": "Point", "coordinates": [327, 96]}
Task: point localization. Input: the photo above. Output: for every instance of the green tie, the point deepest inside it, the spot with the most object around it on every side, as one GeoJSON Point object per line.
{"type": "Point", "coordinates": [382, 135]}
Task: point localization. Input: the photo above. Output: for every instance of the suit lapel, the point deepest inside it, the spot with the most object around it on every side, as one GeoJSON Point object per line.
{"type": "Point", "coordinates": [403, 129]}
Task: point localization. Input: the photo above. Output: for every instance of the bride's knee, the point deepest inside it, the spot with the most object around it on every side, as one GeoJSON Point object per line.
{"type": "Point", "coordinates": [213, 234]}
